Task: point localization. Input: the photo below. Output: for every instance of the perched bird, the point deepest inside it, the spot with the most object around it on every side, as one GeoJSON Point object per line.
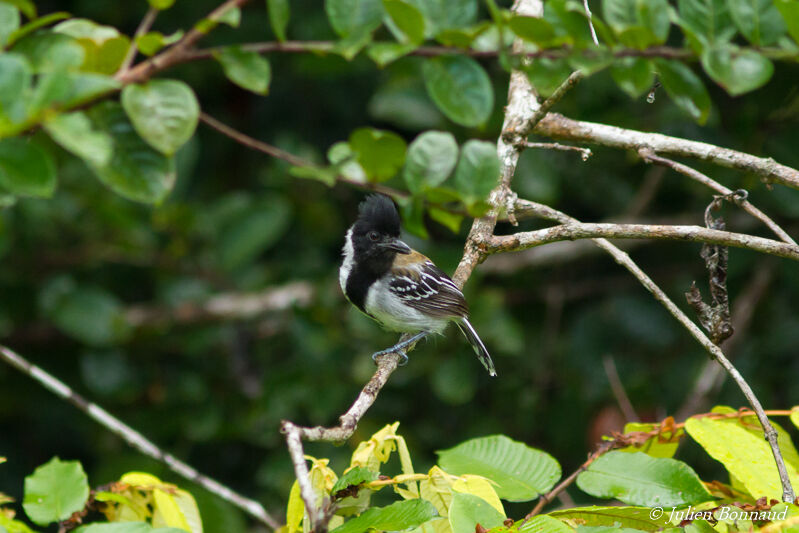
{"type": "Point", "coordinates": [397, 286]}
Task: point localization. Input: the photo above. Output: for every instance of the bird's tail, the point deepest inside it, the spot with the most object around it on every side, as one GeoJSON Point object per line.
{"type": "Point", "coordinates": [477, 344]}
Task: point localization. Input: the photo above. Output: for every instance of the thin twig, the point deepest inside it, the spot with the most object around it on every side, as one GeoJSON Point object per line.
{"type": "Point", "coordinates": [618, 389]}
{"type": "Point", "coordinates": [144, 26]}
{"type": "Point", "coordinates": [225, 306]}
{"type": "Point", "coordinates": [650, 157]}
{"type": "Point", "coordinates": [290, 158]}
{"type": "Point", "coordinates": [590, 22]}
{"type": "Point", "coordinates": [623, 259]}
{"type": "Point", "coordinates": [134, 438]}
{"type": "Point", "coordinates": [561, 127]}
{"type": "Point", "coordinates": [179, 52]}
{"type": "Point", "coordinates": [584, 230]}
{"type": "Point", "coordinates": [602, 449]}
{"type": "Point", "coordinates": [585, 153]}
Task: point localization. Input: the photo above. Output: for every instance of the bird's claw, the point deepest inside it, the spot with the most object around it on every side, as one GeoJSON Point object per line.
{"type": "Point", "coordinates": [401, 353]}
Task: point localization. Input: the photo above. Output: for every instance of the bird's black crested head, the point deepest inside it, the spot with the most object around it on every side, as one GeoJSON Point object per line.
{"type": "Point", "coordinates": [378, 213]}
{"type": "Point", "coordinates": [375, 235]}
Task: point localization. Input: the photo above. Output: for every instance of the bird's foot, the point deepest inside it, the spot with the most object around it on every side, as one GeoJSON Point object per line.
{"type": "Point", "coordinates": [393, 349]}
{"type": "Point", "coordinates": [399, 348]}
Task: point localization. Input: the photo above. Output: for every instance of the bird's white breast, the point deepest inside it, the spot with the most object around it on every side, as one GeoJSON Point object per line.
{"type": "Point", "coordinates": [349, 261]}
{"type": "Point", "coordinates": [394, 314]}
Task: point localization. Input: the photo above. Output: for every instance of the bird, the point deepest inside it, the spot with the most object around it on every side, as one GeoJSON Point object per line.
{"type": "Point", "coordinates": [397, 286]}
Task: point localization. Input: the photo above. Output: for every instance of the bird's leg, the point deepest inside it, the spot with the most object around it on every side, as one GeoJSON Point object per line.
{"type": "Point", "coordinates": [399, 348]}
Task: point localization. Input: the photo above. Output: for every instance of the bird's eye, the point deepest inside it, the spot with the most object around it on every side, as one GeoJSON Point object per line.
{"type": "Point", "coordinates": [373, 236]}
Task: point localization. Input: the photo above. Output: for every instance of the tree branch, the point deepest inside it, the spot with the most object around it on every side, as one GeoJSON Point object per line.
{"type": "Point", "coordinates": [144, 26]}
{"type": "Point", "coordinates": [134, 438]}
{"type": "Point", "coordinates": [225, 306]}
{"type": "Point", "coordinates": [179, 52]}
{"type": "Point", "coordinates": [649, 156]}
{"type": "Point", "coordinates": [561, 127]}
{"type": "Point", "coordinates": [583, 230]}
{"type": "Point", "coordinates": [624, 260]}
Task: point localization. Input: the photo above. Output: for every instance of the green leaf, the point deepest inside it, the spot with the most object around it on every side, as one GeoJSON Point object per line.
{"type": "Point", "coordinates": [462, 37]}
{"type": "Point", "coordinates": [252, 231]}
{"type": "Point", "coordinates": [449, 220]}
{"type": "Point", "coordinates": [746, 456]}
{"type": "Point", "coordinates": [707, 21]}
{"type": "Point", "coordinates": [89, 314]}
{"type": "Point", "coordinates": [638, 23]}
{"type": "Point", "coordinates": [161, 5]}
{"type": "Point", "coordinates": [246, 69]}
{"type": "Point", "coordinates": [653, 446]}
{"type": "Point", "coordinates": [323, 174]}
{"type": "Point", "coordinates": [15, 82]}
{"type": "Point", "coordinates": [407, 19]}
{"type": "Point", "coordinates": [380, 153]}
{"type": "Point", "coordinates": [353, 477]}
{"type": "Point", "coordinates": [789, 9]}
{"type": "Point", "coordinates": [105, 48]}
{"type": "Point", "coordinates": [10, 21]}
{"type": "Point", "coordinates": [633, 75]}
{"type": "Point", "coordinates": [386, 53]}
{"type": "Point", "coordinates": [354, 17]}
{"type": "Point", "coordinates": [544, 524]}
{"type": "Point", "coordinates": [468, 510]}
{"type": "Point", "coordinates": [633, 517]}
{"type": "Point", "coordinates": [135, 171]}
{"type": "Point", "coordinates": [413, 216]}
{"type": "Point", "coordinates": [27, 7]}
{"type": "Point", "coordinates": [430, 160]}
{"type": "Point", "coordinates": [279, 13]}
{"type": "Point", "coordinates": [74, 132]}
{"type": "Point", "coordinates": [152, 42]}
{"type": "Point", "coordinates": [119, 527]}
{"type": "Point", "coordinates": [795, 416]}
{"type": "Point", "coordinates": [395, 517]}
{"type": "Point", "coordinates": [738, 71]}
{"type": "Point", "coordinates": [36, 24]}
{"type": "Point", "coordinates": [535, 30]}
{"type": "Point", "coordinates": [26, 169]}
{"type": "Point", "coordinates": [47, 51]}
{"type": "Point", "coordinates": [13, 526]}
{"type": "Point", "coordinates": [231, 17]}
{"type": "Point", "coordinates": [443, 15]}
{"type": "Point", "coordinates": [477, 172]}
{"type": "Point", "coordinates": [460, 88]}
{"type": "Point", "coordinates": [685, 88]}
{"type": "Point", "coordinates": [60, 89]}
{"type": "Point", "coordinates": [547, 75]}
{"type": "Point", "coordinates": [758, 20]}
{"type": "Point", "coordinates": [54, 491]}
{"type": "Point", "coordinates": [520, 472]}
{"type": "Point", "coordinates": [638, 479]}
{"type": "Point", "coordinates": [164, 113]}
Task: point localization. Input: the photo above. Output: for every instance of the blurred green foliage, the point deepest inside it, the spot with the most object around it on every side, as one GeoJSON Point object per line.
{"type": "Point", "coordinates": [214, 392]}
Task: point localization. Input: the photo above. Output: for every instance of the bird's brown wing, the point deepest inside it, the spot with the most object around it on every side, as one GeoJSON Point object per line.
{"type": "Point", "coordinates": [425, 287]}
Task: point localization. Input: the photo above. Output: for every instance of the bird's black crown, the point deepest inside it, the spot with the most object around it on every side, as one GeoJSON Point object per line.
{"type": "Point", "coordinates": [378, 213]}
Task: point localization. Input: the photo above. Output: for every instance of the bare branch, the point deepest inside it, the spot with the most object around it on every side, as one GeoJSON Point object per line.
{"type": "Point", "coordinates": [144, 26]}
{"type": "Point", "coordinates": [624, 260]}
{"type": "Point", "coordinates": [561, 127]}
{"type": "Point", "coordinates": [590, 22]}
{"type": "Point", "coordinates": [585, 153]}
{"type": "Point", "coordinates": [649, 156]}
{"type": "Point", "coordinates": [583, 230]}
{"type": "Point", "coordinates": [134, 438]}
{"type": "Point", "coordinates": [181, 50]}
{"type": "Point", "coordinates": [225, 306]}
{"type": "Point", "coordinates": [618, 389]}
{"type": "Point", "coordinates": [290, 158]}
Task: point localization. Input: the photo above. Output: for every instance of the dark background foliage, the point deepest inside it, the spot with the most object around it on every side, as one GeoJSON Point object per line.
{"type": "Point", "coordinates": [214, 393]}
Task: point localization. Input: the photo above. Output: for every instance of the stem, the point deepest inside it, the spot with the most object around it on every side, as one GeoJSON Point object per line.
{"type": "Point", "coordinates": [134, 438]}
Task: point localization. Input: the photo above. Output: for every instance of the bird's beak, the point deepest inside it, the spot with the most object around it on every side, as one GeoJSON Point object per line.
{"type": "Point", "coordinates": [396, 245]}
